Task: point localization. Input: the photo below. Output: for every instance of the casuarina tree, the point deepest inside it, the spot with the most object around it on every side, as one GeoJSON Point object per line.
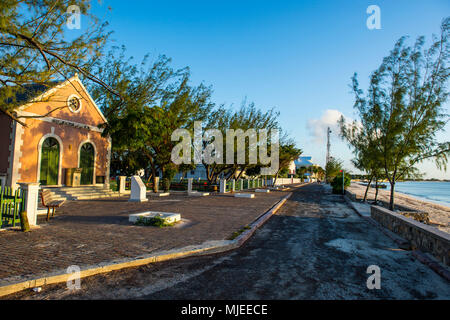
{"type": "Point", "coordinates": [404, 106]}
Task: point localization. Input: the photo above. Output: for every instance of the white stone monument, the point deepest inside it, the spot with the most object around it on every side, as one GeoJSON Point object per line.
{"type": "Point", "coordinates": [31, 198]}
{"type": "Point", "coordinates": [138, 190]}
{"type": "Point", "coordinates": [122, 180]}
{"type": "Point", "coordinates": [157, 184]}
{"type": "Point", "coordinates": [223, 186]}
{"type": "Point", "coordinates": [190, 180]}
{"type": "Point", "coordinates": [244, 195]}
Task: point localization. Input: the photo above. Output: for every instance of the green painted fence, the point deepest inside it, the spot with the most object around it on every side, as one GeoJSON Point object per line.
{"type": "Point", "coordinates": [11, 204]}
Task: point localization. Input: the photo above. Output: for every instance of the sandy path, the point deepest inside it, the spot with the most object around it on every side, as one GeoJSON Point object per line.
{"type": "Point", "coordinates": [438, 213]}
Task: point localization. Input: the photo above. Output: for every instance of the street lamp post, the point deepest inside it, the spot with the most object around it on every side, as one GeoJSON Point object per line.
{"type": "Point", "coordinates": [343, 184]}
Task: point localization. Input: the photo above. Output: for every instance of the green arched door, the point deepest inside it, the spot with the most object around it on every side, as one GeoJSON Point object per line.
{"type": "Point", "coordinates": [87, 155]}
{"type": "Point", "coordinates": [48, 174]}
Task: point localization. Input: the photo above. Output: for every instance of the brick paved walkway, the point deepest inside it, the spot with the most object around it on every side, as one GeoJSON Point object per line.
{"type": "Point", "coordinates": [94, 231]}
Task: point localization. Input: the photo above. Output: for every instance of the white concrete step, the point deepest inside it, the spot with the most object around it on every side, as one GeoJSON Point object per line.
{"type": "Point", "coordinates": [81, 193]}
{"type": "Point", "coordinates": [85, 193]}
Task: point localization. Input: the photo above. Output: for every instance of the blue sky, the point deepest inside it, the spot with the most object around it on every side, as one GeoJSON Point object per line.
{"type": "Point", "coordinates": [296, 56]}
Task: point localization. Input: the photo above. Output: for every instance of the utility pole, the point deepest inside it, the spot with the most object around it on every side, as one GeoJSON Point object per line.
{"type": "Point", "coordinates": [328, 145]}
{"type": "Point", "coordinates": [328, 153]}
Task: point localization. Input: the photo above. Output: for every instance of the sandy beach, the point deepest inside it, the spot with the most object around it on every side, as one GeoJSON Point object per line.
{"type": "Point", "coordinates": [438, 214]}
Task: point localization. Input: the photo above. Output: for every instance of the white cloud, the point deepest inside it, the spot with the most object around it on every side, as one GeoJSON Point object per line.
{"type": "Point", "coordinates": [318, 127]}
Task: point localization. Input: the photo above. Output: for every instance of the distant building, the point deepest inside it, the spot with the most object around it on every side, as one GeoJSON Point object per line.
{"type": "Point", "coordinates": [292, 169]}
{"type": "Point", "coordinates": [306, 162]}
{"type": "Point", "coordinates": [198, 173]}
{"type": "Point", "coordinates": [303, 162]}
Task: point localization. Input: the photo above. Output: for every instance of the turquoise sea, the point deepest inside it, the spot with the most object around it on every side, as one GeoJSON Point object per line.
{"type": "Point", "coordinates": [437, 192]}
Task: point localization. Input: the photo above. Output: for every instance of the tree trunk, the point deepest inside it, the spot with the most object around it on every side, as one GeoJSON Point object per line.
{"type": "Point", "coordinates": [152, 165]}
{"type": "Point", "coordinates": [391, 201]}
{"type": "Point", "coordinates": [153, 168]}
{"type": "Point", "coordinates": [275, 180]}
{"type": "Point", "coordinates": [232, 173]}
{"type": "Point", "coordinates": [155, 183]}
{"type": "Point", "coordinates": [208, 174]}
{"type": "Point", "coordinates": [367, 189]}
{"type": "Point", "coordinates": [24, 224]}
{"type": "Point", "coordinates": [240, 174]}
{"type": "Point", "coordinates": [376, 189]}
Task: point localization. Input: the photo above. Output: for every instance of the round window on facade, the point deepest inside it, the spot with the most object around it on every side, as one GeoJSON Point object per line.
{"type": "Point", "coordinates": [74, 103]}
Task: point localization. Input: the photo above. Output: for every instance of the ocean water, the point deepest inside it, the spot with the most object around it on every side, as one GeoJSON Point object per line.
{"type": "Point", "coordinates": [437, 192]}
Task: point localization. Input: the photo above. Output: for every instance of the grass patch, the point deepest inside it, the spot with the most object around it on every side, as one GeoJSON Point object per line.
{"type": "Point", "coordinates": [237, 233]}
{"type": "Point", "coordinates": [153, 221]}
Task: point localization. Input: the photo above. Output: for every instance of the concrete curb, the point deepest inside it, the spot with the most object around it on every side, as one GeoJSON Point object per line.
{"type": "Point", "coordinates": [242, 238]}
{"type": "Point", "coordinates": [208, 247]}
{"type": "Point", "coordinates": [405, 245]}
{"type": "Point", "coordinates": [432, 264]}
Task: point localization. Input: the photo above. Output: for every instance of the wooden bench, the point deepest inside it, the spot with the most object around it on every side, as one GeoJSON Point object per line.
{"type": "Point", "coordinates": [49, 203]}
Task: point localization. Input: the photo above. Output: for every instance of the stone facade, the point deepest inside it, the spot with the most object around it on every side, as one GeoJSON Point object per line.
{"type": "Point", "coordinates": [421, 236]}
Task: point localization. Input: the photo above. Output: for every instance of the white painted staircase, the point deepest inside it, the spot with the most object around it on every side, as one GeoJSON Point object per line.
{"type": "Point", "coordinates": [81, 193]}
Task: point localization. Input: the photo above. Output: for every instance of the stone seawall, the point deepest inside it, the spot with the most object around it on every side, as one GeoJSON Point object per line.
{"type": "Point", "coordinates": [421, 236]}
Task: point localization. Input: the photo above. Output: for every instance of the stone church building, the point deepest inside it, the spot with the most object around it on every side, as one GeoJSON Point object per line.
{"type": "Point", "coordinates": [52, 142]}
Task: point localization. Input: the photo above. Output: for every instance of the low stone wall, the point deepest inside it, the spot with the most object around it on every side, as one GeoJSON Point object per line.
{"type": "Point", "coordinates": [350, 195]}
{"type": "Point", "coordinates": [421, 236]}
{"type": "Point", "coordinates": [281, 181]}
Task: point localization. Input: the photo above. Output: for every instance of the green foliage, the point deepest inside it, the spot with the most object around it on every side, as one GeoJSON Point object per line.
{"type": "Point", "coordinates": [364, 141]}
{"type": "Point", "coordinates": [144, 103]}
{"type": "Point", "coordinates": [34, 49]}
{"type": "Point", "coordinates": [166, 184]}
{"type": "Point", "coordinates": [320, 173]}
{"type": "Point", "coordinates": [186, 167]}
{"type": "Point", "coordinates": [156, 100]}
{"type": "Point", "coordinates": [332, 168]}
{"type": "Point", "coordinates": [114, 185]}
{"type": "Point", "coordinates": [169, 172]}
{"type": "Point", "coordinates": [246, 117]}
{"type": "Point", "coordinates": [403, 108]}
{"type": "Point", "coordinates": [336, 184]}
{"type": "Point", "coordinates": [288, 153]}
{"type": "Point", "coordinates": [154, 221]}
{"type": "Point", "coordinates": [300, 172]}
{"type": "Point", "coordinates": [126, 162]}
{"type": "Point", "coordinates": [253, 171]}
{"type": "Point", "coordinates": [283, 173]}
{"type": "Point", "coordinates": [239, 232]}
